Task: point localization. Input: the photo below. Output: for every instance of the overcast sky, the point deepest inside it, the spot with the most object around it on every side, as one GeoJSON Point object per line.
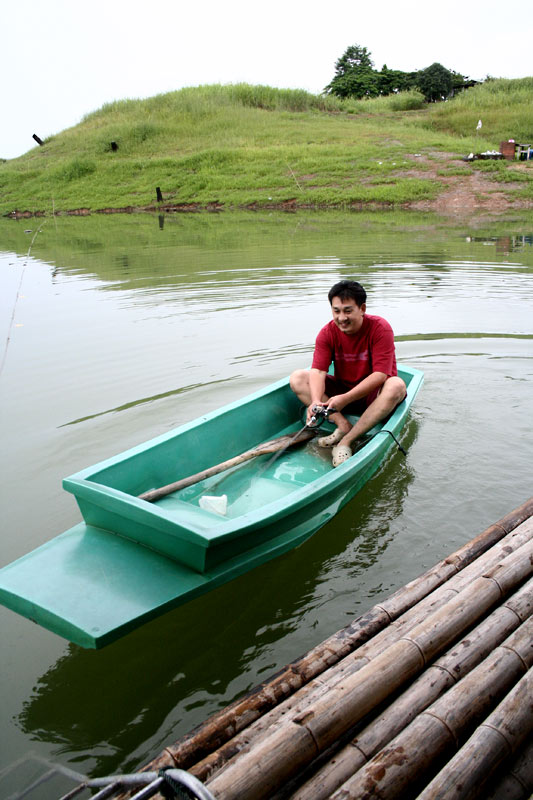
{"type": "Point", "coordinates": [61, 59]}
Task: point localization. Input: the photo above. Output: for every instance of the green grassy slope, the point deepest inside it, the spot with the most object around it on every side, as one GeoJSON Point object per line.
{"type": "Point", "coordinates": [257, 146]}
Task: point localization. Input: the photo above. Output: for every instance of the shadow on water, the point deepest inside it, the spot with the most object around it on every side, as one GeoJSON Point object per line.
{"type": "Point", "coordinates": [119, 706]}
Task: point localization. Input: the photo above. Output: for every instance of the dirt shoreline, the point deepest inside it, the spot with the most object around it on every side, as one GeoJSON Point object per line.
{"type": "Point", "coordinates": [460, 194]}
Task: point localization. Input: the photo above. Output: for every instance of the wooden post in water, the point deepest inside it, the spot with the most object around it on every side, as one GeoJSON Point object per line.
{"type": "Point", "coordinates": [158, 194]}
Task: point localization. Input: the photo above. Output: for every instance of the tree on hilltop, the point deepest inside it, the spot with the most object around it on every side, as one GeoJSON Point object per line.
{"type": "Point", "coordinates": [354, 74]}
{"type": "Point", "coordinates": [394, 80]}
{"type": "Point", "coordinates": [461, 82]}
{"type": "Point", "coordinates": [356, 77]}
{"type": "Point", "coordinates": [438, 83]}
{"type": "Point", "coordinates": [435, 82]}
{"type": "Point", "coordinates": [355, 57]}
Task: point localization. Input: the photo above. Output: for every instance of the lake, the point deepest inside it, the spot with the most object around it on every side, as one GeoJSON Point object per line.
{"type": "Point", "coordinates": [115, 329]}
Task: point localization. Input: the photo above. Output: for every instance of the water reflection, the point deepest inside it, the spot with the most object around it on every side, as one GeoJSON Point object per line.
{"type": "Point", "coordinates": [504, 244]}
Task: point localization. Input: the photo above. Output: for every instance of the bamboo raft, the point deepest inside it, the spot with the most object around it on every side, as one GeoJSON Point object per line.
{"type": "Point", "coordinates": [428, 695]}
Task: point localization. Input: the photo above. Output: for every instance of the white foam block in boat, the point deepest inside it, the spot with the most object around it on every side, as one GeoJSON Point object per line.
{"type": "Point", "coordinates": [219, 505]}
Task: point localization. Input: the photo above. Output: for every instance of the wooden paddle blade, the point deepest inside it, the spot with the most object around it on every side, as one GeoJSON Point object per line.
{"type": "Point", "coordinates": [273, 446]}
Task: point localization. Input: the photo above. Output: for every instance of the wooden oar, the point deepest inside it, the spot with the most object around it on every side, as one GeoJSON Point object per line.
{"type": "Point", "coordinates": [273, 446]}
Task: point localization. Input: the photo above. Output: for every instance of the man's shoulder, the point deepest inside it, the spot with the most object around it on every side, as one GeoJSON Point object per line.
{"type": "Point", "coordinates": [374, 322]}
{"type": "Point", "coordinates": [328, 330]}
{"type": "Point", "coordinates": [329, 326]}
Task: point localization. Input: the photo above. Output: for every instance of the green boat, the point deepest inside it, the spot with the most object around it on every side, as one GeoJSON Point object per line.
{"type": "Point", "coordinates": [131, 560]}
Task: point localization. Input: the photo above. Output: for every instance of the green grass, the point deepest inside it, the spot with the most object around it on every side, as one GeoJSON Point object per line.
{"type": "Point", "coordinates": [499, 171]}
{"type": "Point", "coordinates": [245, 145]}
{"type": "Point", "coordinates": [505, 108]}
{"type": "Point", "coordinates": [404, 101]}
{"type": "Point", "coordinates": [454, 171]}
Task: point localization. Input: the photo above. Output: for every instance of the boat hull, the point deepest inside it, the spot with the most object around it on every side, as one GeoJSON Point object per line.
{"type": "Point", "coordinates": [130, 561]}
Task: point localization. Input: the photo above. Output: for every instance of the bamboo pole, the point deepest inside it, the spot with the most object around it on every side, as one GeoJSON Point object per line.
{"type": "Point", "coordinates": [430, 604]}
{"type": "Point", "coordinates": [224, 725]}
{"type": "Point", "coordinates": [400, 600]}
{"type": "Point", "coordinates": [502, 733]}
{"type": "Point", "coordinates": [517, 783]}
{"type": "Point", "coordinates": [330, 679]}
{"type": "Point", "coordinates": [281, 753]}
{"type": "Point", "coordinates": [429, 638]}
{"type": "Point", "coordinates": [435, 733]}
{"type": "Point", "coordinates": [438, 678]}
{"type": "Point", "coordinates": [514, 540]}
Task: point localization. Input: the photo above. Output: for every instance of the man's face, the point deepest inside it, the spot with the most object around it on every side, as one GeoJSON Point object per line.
{"type": "Point", "coordinates": [347, 315]}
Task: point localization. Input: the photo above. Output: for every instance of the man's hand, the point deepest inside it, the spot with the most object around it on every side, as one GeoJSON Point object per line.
{"type": "Point", "coordinates": [337, 402]}
{"type": "Point", "coordinates": [311, 413]}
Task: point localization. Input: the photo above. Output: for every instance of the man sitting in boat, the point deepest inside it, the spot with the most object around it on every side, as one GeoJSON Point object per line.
{"type": "Point", "coordinates": [365, 381]}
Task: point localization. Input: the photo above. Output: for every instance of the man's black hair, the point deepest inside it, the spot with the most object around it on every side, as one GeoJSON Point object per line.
{"type": "Point", "coordinates": [348, 290]}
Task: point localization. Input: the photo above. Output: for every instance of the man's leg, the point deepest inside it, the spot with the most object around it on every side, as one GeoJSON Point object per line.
{"type": "Point", "coordinates": [392, 392]}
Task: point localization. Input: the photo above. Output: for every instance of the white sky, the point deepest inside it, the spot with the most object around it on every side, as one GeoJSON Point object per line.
{"type": "Point", "coordinates": [61, 59]}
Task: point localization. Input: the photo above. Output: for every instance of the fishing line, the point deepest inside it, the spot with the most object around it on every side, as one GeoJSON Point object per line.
{"type": "Point", "coordinates": [10, 328]}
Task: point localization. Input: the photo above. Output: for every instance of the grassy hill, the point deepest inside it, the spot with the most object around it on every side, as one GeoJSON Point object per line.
{"type": "Point", "coordinates": [255, 146]}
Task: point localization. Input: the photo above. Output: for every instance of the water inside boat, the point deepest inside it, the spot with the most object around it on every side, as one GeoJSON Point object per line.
{"type": "Point", "coordinates": [257, 482]}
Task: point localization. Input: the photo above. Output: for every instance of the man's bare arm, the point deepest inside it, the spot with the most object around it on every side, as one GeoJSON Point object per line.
{"type": "Point", "coordinates": [364, 388]}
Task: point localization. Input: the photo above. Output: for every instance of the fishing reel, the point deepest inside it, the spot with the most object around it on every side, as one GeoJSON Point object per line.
{"type": "Point", "coordinates": [320, 415]}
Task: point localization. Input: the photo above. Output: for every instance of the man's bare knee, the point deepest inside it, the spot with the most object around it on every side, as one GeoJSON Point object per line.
{"type": "Point", "coordinates": [395, 389]}
{"type": "Point", "coordinates": [299, 380]}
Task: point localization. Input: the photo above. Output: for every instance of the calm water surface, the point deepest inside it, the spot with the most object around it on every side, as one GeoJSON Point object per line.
{"type": "Point", "coordinates": [114, 330]}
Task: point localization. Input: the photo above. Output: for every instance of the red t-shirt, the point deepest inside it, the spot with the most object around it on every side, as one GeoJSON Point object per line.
{"type": "Point", "coordinates": [358, 355]}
